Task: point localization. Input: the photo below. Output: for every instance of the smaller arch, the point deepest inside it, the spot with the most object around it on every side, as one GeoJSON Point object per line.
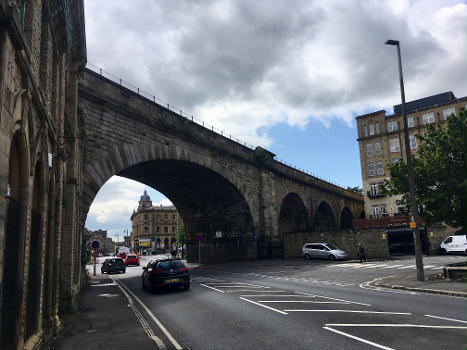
{"type": "Point", "coordinates": [346, 219]}
{"type": "Point", "coordinates": [293, 215]}
{"type": "Point", "coordinates": [324, 218]}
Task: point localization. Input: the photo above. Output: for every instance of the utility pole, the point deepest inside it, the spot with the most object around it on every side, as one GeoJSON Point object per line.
{"type": "Point", "coordinates": [413, 200]}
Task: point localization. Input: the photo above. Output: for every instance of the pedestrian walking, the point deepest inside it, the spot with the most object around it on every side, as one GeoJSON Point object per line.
{"type": "Point", "coordinates": [361, 253]}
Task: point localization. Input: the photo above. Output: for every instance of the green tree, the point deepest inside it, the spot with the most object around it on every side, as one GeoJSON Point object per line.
{"type": "Point", "coordinates": [439, 172]}
{"type": "Point", "coordinates": [355, 189]}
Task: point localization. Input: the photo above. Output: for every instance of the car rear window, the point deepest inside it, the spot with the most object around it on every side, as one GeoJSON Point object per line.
{"type": "Point", "coordinates": [131, 256]}
{"type": "Point", "coordinates": [170, 264]}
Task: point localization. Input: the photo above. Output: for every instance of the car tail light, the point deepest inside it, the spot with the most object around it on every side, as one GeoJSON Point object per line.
{"type": "Point", "coordinates": [110, 264]}
{"type": "Point", "coordinates": [183, 269]}
{"type": "Point", "coordinates": [156, 271]}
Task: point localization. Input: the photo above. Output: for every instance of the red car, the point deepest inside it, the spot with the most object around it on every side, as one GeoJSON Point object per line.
{"type": "Point", "coordinates": [132, 259]}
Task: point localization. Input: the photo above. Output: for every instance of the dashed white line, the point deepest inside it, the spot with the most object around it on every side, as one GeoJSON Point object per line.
{"type": "Point", "coordinates": [303, 301]}
{"type": "Point", "coordinates": [393, 325]}
{"type": "Point", "coordinates": [354, 311]}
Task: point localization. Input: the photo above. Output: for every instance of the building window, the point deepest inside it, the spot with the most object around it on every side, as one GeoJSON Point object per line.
{"type": "Point", "coordinates": [145, 217]}
{"type": "Point", "coordinates": [146, 229]}
{"type": "Point", "coordinates": [377, 128]}
{"type": "Point", "coordinates": [383, 210]}
{"type": "Point", "coordinates": [410, 122]}
{"type": "Point", "coordinates": [373, 189]}
{"type": "Point", "coordinates": [378, 148]}
{"type": "Point", "coordinates": [395, 159]}
{"type": "Point", "coordinates": [371, 127]}
{"type": "Point", "coordinates": [448, 111]}
{"type": "Point", "coordinates": [173, 216]}
{"type": "Point", "coordinates": [371, 169]}
{"type": "Point", "coordinates": [394, 145]}
{"type": "Point", "coordinates": [369, 150]}
{"type": "Point", "coordinates": [379, 168]}
{"type": "Point", "coordinates": [392, 126]}
{"type": "Point", "coordinates": [173, 229]}
{"type": "Point", "coordinates": [158, 229]}
{"type": "Point", "coordinates": [428, 118]}
{"type": "Point", "coordinates": [157, 216]}
{"type": "Point", "coordinates": [165, 216]}
{"type": "Point", "coordinates": [166, 229]}
{"type": "Point", "coordinates": [413, 142]}
{"type": "Point", "coordinates": [375, 211]}
{"type": "Point", "coordinates": [365, 131]}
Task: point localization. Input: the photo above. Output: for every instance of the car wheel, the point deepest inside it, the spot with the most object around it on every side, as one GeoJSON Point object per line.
{"type": "Point", "coordinates": [124, 270]}
{"type": "Point", "coordinates": [443, 251]}
{"type": "Point", "coordinates": [152, 289]}
{"type": "Point", "coordinates": [186, 286]}
{"type": "Point", "coordinates": [142, 283]}
{"type": "Point", "coordinates": [332, 257]}
{"type": "Point", "coordinates": [307, 257]}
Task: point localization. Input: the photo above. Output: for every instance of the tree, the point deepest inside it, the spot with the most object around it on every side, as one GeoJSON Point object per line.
{"type": "Point", "coordinates": [439, 172]}
{"type": "Point", "coordinates": [181, 236]}
{"type": "Point", "coordinates": [355, 189]}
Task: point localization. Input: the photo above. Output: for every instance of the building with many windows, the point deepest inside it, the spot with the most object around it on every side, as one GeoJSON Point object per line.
{"type": "Point", "coordinates": [381, 141]}
{"type": "Point", "coordinates": [154, 226]}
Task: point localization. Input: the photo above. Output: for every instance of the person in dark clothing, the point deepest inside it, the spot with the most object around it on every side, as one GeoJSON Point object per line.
{"type": "Point", "coordinates": [361, 253]}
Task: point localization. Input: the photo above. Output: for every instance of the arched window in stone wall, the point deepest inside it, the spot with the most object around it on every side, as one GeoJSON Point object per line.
{"type": "Point", "coordinates": [13, 245]}
{"type": "Point", "coordinates": [35, 253]}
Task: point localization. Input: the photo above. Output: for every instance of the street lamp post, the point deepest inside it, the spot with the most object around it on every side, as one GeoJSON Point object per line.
{"type": "Point", "coordinates": [413, 199]}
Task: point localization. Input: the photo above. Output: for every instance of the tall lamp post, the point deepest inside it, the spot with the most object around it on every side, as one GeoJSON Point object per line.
{"type": "Point", "coordinates": [408, 153]}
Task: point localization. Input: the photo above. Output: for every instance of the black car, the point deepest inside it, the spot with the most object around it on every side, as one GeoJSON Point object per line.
{"type": "Point", "coordinates": [112, 265]}
{"type": "Point", "coordinates": [165, 272]}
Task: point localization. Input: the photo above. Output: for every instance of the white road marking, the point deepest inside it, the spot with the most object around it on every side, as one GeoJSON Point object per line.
{"type": "Point", "coordinates": [265, 306]}
{"type": "Point", "coordinates": [406, 267]}
{"type": "Point", "coordinates": [359, 339]}
{"type": "Point", "coordinates": [430, 266]}
{"type": "Point", "coordinates": [353, 311]}
{"type": "Point", "coordinates": [446, 318]}
{"type": "Point", "coordinates": [250, 290]}
{"type": "Point", "coordinates": [303, 301]}
{"type": "Point", "coordinates": [204, 285]}
{"type": "Point", "coordinates": [393, 325]}
{"type": "Point", "coordinates": [154, 318]}
{"type": "Point", "coordinates": [241, 286]}
{"type": "Point", "coordinates": [103, 285]}
{"type": "Point", "coordinates": [324, 297]}
{"type": "Point", "coordinates": [392, 266]}
{"type": "Point", "coordinates": [269, 295]}
{"type": "Point", "coordinates": [141, 319]}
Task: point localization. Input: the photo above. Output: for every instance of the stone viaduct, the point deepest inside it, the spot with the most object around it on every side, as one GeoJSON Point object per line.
{"type": "Point", "coordinates": [217, 184]}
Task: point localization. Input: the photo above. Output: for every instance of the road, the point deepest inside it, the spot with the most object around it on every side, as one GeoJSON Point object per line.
{"type": "Point", "coordinates": [296, 304]}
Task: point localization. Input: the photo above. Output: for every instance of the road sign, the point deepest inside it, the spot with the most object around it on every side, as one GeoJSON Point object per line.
{"type": "Point", "coordinates": [95, 244]}
{"type": "Point", "coordinates": [199, 238]}
{"type": "Point", "coordinates": [413, 224]}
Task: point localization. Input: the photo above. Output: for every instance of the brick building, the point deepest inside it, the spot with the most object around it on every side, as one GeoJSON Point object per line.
{"type": "Point", "coordinates": [154, 226]}
{"type": "Point", "coordinates": [106, 245]}
{"type": "Point", "coordinates": [381, 141]}
{"type": "Point", "coordinates": [42, 50]}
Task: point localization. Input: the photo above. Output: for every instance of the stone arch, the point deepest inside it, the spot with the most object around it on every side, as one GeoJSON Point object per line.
{"type": "Point", "coordinates": [35, 253]}
{"type": "Point", "coordinates": [293, 215]}
{"type": "Point", "coordinates": [14, 240]}
{"type": "Point", "coordinates": [324, 218]}
{"type": "Point", "coordinates": [346, 219]}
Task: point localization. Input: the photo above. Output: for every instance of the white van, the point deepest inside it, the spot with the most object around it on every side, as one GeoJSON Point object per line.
{"type": "Point", "coordinates": [454, 244]}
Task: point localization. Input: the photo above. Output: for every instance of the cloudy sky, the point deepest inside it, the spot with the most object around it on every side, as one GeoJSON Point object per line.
{"type": "Point", "coordinates": [287, 75]}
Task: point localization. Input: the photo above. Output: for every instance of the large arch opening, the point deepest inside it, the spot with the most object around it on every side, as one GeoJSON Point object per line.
{"type": "Point", "coordinates": [212, 208]}
{"type": "Point", "coordinates": [324, 218]}
{"type": "Point", "coordinates": [346, 219]}
{"type": "Point", "coordinates": [35, 253]}
{"type": "Point", "coordinates": [14, 243]}
{"type": "Point", "coordinates": [293, 216]}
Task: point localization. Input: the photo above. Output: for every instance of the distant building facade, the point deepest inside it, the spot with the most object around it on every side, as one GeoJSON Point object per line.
{"type": "Point", "coordinates": [154, 226]}
{"type": "Point", "coordinates": [106, 245]}
{"type": "Point", "coordinates": [381, 141]}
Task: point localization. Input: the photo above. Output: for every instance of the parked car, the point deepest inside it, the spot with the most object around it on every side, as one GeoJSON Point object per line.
{"type": "Point", "coordinates": [112, 265]}
{"type": "Point", "coordinates": [323, 251]}
{"type": "Point", "coordinates": [165, 272]}
{"type": "Point", "coordinates": [132, 259]}
{"type": "Point", "coordinates": [454, 244]}
{"type": "Point", "coordinates": [122, 255]}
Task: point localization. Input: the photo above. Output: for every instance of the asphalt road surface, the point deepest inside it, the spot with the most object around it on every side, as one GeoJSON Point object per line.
{"type": "Point", "coordinates": [296, 304]}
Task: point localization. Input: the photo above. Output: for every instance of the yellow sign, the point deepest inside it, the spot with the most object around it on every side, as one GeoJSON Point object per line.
{"type": "Point", "coordinates": [383, 236]}
{"type": "Point", "coordinates": [413, 224]}
{"type": "Point", "coordinates": [431, 234]}
{"type": "Point", "coordinates": [145, 244]}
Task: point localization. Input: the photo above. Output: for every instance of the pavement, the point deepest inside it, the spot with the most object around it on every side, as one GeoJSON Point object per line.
{"type": "Point", "coordinates": [105, 317]}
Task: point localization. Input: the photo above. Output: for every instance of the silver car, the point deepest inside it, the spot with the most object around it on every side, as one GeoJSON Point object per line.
{"type": "Point", "coordinates": [323, 251]}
